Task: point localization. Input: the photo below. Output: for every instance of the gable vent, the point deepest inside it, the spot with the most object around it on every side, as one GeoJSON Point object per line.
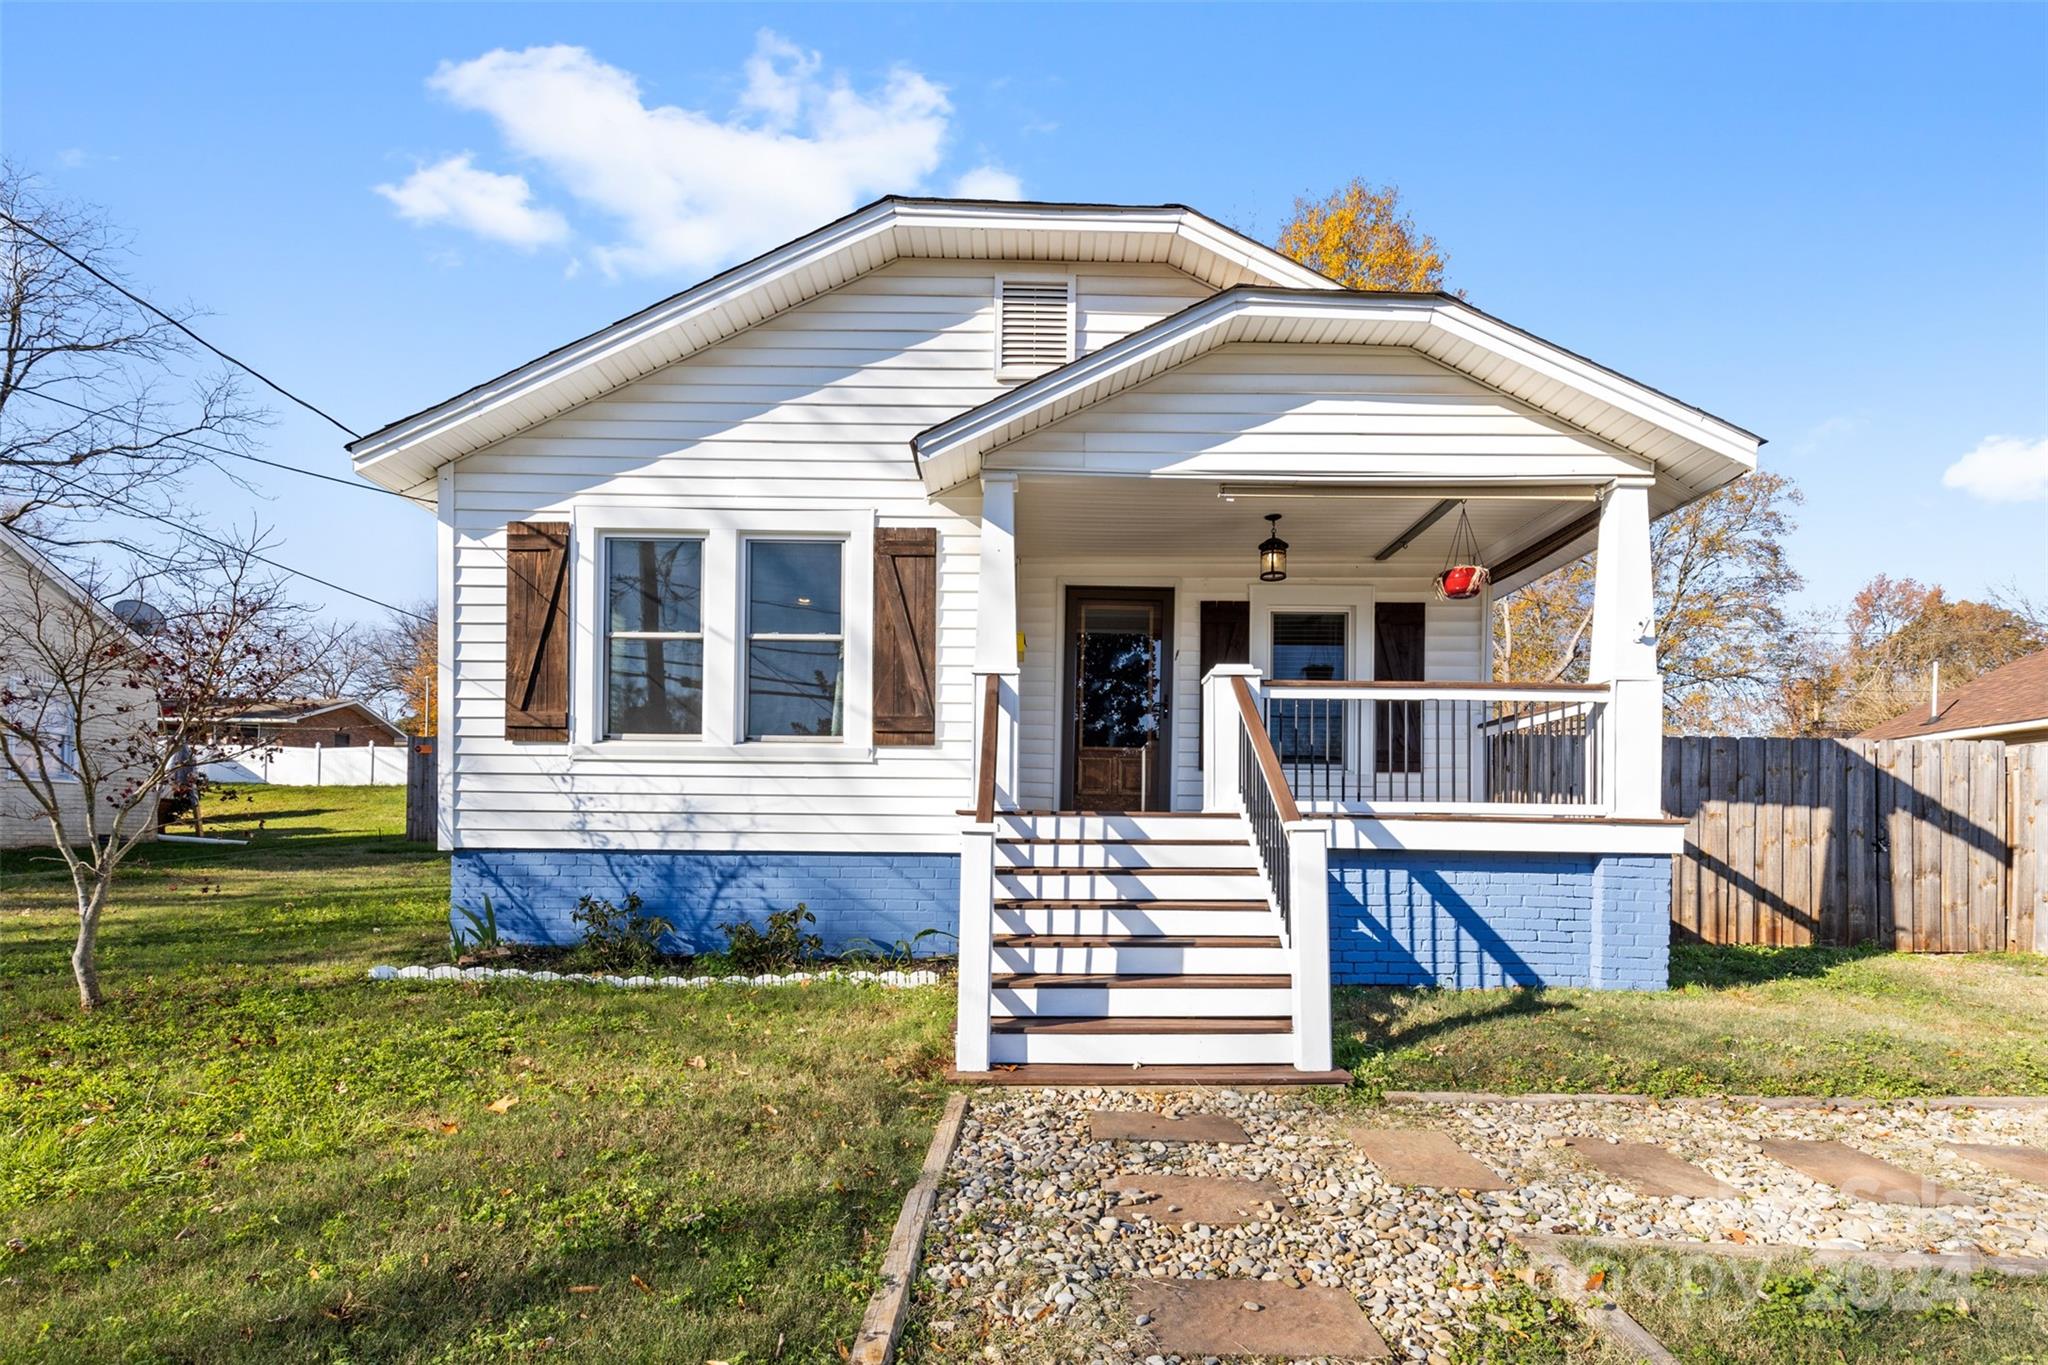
{"type": "Point", "coordinates": [1034, 326]}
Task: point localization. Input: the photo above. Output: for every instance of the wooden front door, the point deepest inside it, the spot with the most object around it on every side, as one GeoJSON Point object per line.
{"type": "Point", "coordinates": [1118, 678]}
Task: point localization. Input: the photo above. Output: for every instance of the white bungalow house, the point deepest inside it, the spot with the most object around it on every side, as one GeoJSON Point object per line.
{"type": "Point", "coordinates": [913, 571]}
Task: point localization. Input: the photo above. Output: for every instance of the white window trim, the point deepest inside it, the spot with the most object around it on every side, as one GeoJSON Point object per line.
{"type": "Point", "coordinates": [747, 635]}
{"type": "Point", "coordinates": [57, 750]}
{"type": "Point", "coordinates": [1019, 373]}
{"type": "Point", "coordinates": [1355, 600]}
{"type": "Point", "coordinates": [722, 619]}
{"type": "Point", "coordinates": [601, 660]}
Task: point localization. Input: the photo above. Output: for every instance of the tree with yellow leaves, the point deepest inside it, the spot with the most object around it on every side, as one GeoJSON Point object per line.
{"type": "Point", "coordinates": [1361, 237]}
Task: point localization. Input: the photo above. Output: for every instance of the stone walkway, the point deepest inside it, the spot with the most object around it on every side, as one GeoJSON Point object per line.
{"type": "Point", "coordinates": [1061, 1207]}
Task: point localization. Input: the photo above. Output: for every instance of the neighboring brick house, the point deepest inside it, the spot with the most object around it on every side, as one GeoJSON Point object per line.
{"type": "Point", "coordinates": [302, 722]}
{"type": "Point", "coordinates": [2009, 703]}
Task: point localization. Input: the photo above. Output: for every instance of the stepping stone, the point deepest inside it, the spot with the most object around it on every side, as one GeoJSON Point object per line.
{"type": "Point", "coordinates": [2021, 1163]}
{"type": "Point", "coordinates": [1651, 1169]}
{"type": "Point", "coordinates": [1104, 1126]}
{"type": "Point", "coordinates": [1424, 1156]}
{"type": "Point", "coordinates": [1210, 1318]}
{"type": "Point", "coordinates": [1859, 1174]}
{"type": "Point", "coordinates": [1184, 1199]}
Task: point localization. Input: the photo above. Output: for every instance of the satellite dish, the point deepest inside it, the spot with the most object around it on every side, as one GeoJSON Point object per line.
{"type": "Point", "coordinates": [139, 616]}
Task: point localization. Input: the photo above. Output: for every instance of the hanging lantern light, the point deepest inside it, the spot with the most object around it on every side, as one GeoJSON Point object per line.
{"type": "Point", "coordinates": [1463, 576]}
{"type": "Point", "coordinates": [1272, 552]}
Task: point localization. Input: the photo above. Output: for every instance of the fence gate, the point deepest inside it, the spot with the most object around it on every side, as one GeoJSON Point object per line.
{"type": "Point", "coordinates": [422, 790]}
{"type": "Point", "coordinates": [1928, 846]}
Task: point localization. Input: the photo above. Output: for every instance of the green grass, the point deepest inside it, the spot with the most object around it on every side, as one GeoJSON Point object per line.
{"type": "Point", "coordinates": [253, 1153]}
{"type": "Point", "coordinates": [1721, 1311]}
{"type": "Point", "coordinates": [1783, 1021]}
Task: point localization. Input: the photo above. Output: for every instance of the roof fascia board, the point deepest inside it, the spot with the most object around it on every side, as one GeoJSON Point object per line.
{"type": "Point", "coordinates": [622, 335]}
{"type": "Point", "coordinates": [1249, 302]}
{"type": "Point", "coordinates": [884, 217]}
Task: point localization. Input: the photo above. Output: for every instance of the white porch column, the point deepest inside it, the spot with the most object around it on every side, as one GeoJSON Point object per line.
{"type": "Point", "coordinates": [977, 946]}
{"type": "Point", "coordinates": [1308, 865]}
{"type": "Point", "coordinates": [1624, 653]}
{"type": "Point", "coordinates": [995, 632]}
{"type": "Point", "coordinates": [1220, 726]}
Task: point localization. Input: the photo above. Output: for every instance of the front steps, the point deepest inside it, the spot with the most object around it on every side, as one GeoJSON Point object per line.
{"type": "Point", "coordinates": [1140, 939]}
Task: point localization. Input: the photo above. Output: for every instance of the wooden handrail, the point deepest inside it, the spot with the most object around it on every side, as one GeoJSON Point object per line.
{"type": "Point", "coordinates": [1262, 746]}
{"type": "Point", "coordinates": [1419, 685]}
{"type": "Point", "coordinates": [985, 784]}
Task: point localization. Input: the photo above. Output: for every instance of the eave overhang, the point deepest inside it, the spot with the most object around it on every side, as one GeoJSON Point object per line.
{"type": "Point", "coordinates": [406, 454]}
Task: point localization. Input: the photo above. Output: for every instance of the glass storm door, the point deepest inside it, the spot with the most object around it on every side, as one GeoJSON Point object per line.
{"type": "Point", "coordinates": [1118, 680]}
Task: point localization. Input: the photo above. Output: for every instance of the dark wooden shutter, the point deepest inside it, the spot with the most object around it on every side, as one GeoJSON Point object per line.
{"type": "Point", "coordinates": [537, 632]}
{"type": "Point", "coordinates": [1397, 645]}
{"type": "Point", "coordinates": [906, 635]}
{"type": "Point", "coordinates": [1226, 639]}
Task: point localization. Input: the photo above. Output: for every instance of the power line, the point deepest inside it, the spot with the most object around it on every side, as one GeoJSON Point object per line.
{"type": "Point", "coordinates": [141, 302]}
{"type": "Point", "coordinates": [242, 549]}
{"type": "Point", "coordinates": [357, 484]}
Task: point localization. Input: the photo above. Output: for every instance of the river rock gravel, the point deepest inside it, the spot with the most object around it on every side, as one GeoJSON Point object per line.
{"type": "Point", "coordinates": [1025, 1248]}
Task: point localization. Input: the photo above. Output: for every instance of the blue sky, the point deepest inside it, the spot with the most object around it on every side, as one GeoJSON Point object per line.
{"type": "Point", "coordinates": [1827, 224]}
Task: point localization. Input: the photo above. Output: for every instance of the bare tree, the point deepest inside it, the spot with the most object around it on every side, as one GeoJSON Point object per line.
{"type": "Point", "coordinates": [95, 414]}
{"type": "Point", "coordinates": [341, 659]}
{"type": "Point", "coordinates": [408, 653]}
{"type": "Point", "coordinates": [96, 720]}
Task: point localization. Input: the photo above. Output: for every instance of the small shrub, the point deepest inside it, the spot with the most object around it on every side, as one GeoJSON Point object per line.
{"type": "Point", "coordinates": [900, 956]}
{"type": "Point", "coordinates": [781, 946]}
{"type": "Point", "coordinates": [617, 938]}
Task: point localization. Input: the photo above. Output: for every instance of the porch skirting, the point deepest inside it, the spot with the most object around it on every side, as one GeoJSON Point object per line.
{"type": "Point", "coordinates": [882, 897]}
{"type": "Point", "coordinates": [1500, 919]}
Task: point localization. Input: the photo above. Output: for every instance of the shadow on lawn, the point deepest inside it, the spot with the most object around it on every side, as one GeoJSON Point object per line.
{"type": "Point", "coordinates": [1725, 967]}
{"type": "Point", "coordinates": [1372, 1020]}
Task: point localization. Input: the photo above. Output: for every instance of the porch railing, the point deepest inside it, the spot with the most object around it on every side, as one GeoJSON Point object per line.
{"type": "Point", "coordinates": [1268, 803]}
{"type": "Point", "coordinates": [1440, 746]}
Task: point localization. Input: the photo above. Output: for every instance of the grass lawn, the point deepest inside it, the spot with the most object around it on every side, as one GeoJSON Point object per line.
{"type": "Point", "coordinates": [1721, 1311]}
{"type": "Point", "coordinates": [1777, 1021]}
{"type": "Point", "coordinates": [254, 1153]}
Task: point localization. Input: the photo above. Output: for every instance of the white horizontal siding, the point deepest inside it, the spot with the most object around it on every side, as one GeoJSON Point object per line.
{"type": "Point", "coordinates": [811, 410]}
{"type": "Point", "coordinates": [1332, 410]}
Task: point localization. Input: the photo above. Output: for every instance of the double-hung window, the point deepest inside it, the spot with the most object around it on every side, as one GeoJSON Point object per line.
{"type": "Point", "coordinates": [654, 636]}
{"type": "Point", "coordinates": [796, 642]}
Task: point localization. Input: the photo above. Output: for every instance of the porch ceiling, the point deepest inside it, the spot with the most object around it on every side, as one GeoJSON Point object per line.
{"type": "Point", "coordinates": [1110, 518]}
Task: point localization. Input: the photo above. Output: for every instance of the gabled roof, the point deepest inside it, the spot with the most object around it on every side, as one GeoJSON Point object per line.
{"type": "Point", "coordinates": [1697, 451]}
{"type": "Point", "coordinates": [406, 453]}
{"type": "Point", "coordinates": [2014, 697]}
{"type": "Point", "coordinates": [42, 566]}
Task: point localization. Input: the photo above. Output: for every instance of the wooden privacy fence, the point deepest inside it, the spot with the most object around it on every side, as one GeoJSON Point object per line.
{"type": "Point", "coordinates": [1928, 846]}
{"type": "Point", "coordinates": [422, 790]}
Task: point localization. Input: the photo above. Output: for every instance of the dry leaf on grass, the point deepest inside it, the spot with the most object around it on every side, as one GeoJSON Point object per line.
{"type": "Point", "coordinates": [1597, 1279]}
{"type": "Point", "coordinates": [641, 1284]}
{"type": "Point", "coordinates": [582, 1289]}
{"type": "Point", "coordinates": [448, 1126]}
{"type": "Point", "coordinates": [696, 1064]}
{"type": "Point", "coordinates": [502, 1103]}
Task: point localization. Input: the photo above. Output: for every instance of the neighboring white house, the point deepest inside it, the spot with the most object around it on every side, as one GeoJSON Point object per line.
{"type": "Point", "coordinates": [856, 574]}
{"type": "Point", "coordinates": [38, 599]}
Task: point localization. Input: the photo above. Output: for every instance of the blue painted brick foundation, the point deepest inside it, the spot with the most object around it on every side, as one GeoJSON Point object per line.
{"type": "Point", "coordinates": [882, 897]}
{"type": "Point", "coordinates": [1500, 919]}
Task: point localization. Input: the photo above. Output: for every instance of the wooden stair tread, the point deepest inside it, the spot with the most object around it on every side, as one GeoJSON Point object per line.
{"type": "Point", "coordinates": [1128, 871]}
{"type": "Point", "coordinates": [1125, 903]}
{"type": "Point", "coordinates": [1020, 981]}
{"type": "Point", "coordinates": [1160, 1024]}
{"type": "Point", "coordinates": [1135, 941]}
{"type": "Point", "coordinates": [1254, 1075]}
{"type": "Point", "coordinates": [1136, 840]}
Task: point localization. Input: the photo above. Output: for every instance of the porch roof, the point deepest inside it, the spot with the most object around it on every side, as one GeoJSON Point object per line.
{"type": "Point", "coordinates": [1691, 451]}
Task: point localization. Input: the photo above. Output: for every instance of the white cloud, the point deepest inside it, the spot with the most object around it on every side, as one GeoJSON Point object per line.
{"type": "Point", "coordinates": [689, 191]}
{"type": "Point", "coordinates": [491, 205]}
{"type": "Point", "coordinates": [988, 182]}
{"type": "Point", "coordinates": [2002, 469]}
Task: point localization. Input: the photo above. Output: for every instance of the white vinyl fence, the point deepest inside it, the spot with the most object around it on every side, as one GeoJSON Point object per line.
{"type": "Point", "coordinates": [372, 765]}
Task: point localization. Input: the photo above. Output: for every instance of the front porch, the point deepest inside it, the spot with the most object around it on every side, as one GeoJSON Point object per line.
{"type": "Point", "coordinates": [1202, 798]}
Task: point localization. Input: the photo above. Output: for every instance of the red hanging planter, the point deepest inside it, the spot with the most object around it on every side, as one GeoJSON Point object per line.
{"type": "Point", "coordinates": [1464, 577]}
{"type": "Point", "coordinates": [1462, 581]}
